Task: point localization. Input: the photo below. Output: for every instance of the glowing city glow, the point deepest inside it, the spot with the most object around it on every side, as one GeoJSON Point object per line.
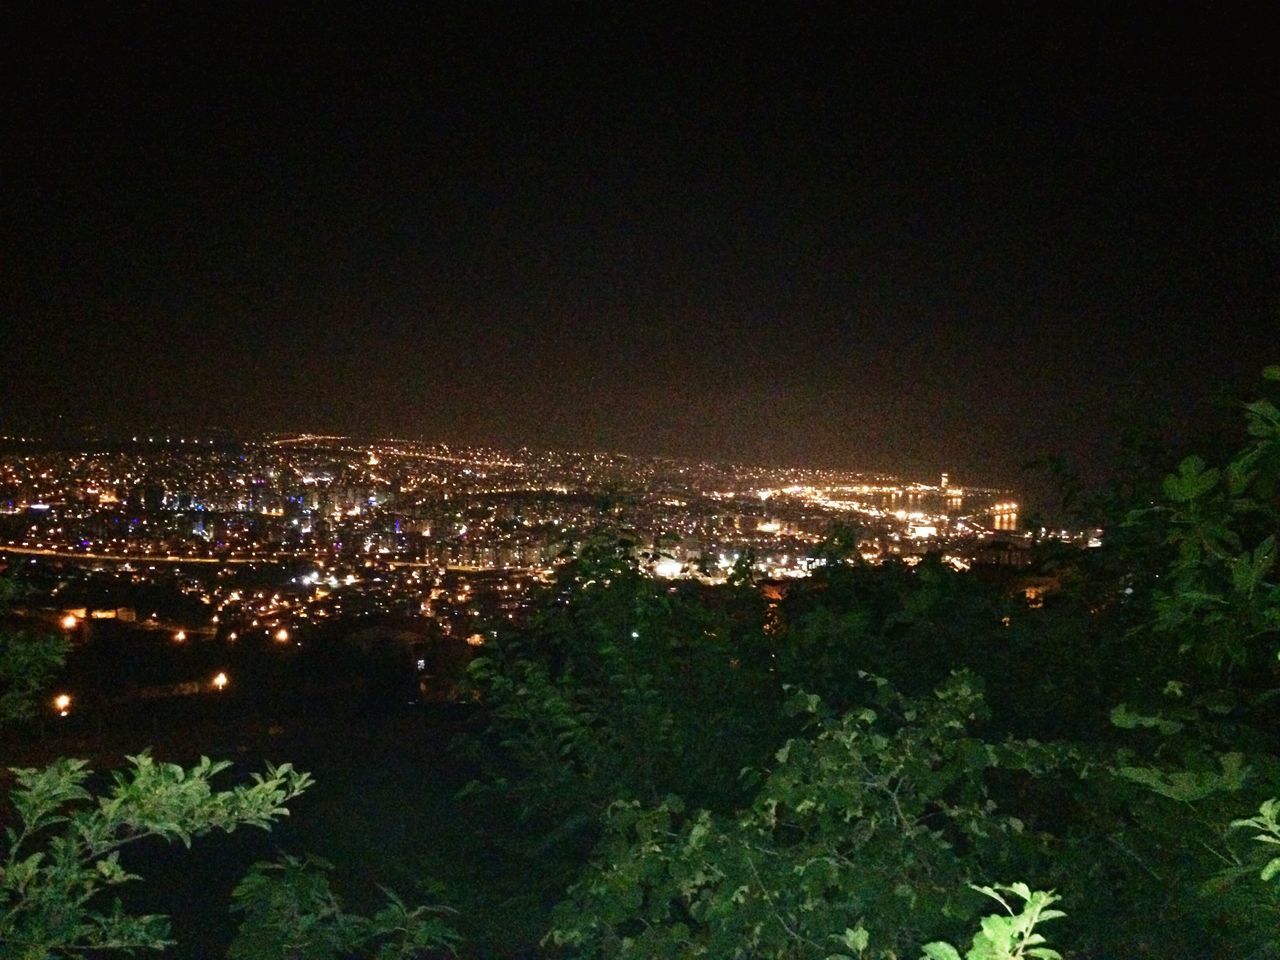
{"type": "Point", "coordinates": [668, 568]}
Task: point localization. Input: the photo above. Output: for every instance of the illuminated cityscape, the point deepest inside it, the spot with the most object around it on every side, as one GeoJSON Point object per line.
{"type": "Point", "coordinates": [354, 529]}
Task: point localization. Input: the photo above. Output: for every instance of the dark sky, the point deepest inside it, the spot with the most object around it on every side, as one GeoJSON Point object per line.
{"type": "Point", "coordinates": [953, 240]}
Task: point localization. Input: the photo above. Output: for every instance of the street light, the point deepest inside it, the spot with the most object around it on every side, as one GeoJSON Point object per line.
{"type": "Point", "coordinates": [220, 681]}
{"type": "Point", "coordinates": [70, 621]}
{"type": "Point", "coordinates": [62, 704]}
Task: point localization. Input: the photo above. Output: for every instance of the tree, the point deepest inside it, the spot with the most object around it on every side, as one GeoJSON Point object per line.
{"type": "Point", "coordinates": [28, 665]}
{"type": "Point", "coordinates": [62, 855]}
{"type": "Point", "coordinates": [290, 912]}
{"type": "Point", "coordinates": [622, 687]}
{"type": "Point", "coordinates": [1008, 936]}
{"type": "Point", "coordinates": [876, 821]}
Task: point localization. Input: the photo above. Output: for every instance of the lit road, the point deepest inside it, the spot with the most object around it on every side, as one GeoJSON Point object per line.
{"type": "Point", "coordinates": [124, 558]}
{"type": "Point", "coordinates": [278, 558]}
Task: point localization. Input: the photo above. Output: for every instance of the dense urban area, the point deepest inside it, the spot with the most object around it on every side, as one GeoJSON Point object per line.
{"type": "Point", "coordinates": [286, 537]}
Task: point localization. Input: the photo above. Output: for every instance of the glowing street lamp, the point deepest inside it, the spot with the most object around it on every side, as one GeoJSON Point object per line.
{"type": "Point", "coordinates": [62, 704]}
{"type": "Point", "coordinates": [282, 635]}
{"type": "Point", "coordinates": [220, 681]}
{"type": "Point", "coordinates": [70, 621]}
{"type": "Point", "coordinates": [180, 636]}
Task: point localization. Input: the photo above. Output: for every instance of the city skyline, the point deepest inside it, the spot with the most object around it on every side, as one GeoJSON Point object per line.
{"type": "Point", "coordinates": [283, 541]}
{"type": "Point", "coordinates": [78, 437]}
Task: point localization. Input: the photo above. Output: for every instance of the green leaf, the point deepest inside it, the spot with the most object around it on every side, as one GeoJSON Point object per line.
{"type": "Point", "coordinates": [1126, 719]}
{"type": "Point", "coordinates": [940, 951]}
{"type": "Point", "coordinates": [1191, 481]}
{"type": "Point", "coordinates": [1191, 785]}
{"type": "Point", "coordinates": [855, 938]}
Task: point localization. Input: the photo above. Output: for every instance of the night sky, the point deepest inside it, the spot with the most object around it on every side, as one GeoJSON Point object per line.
{"type": "Point", "coordinates": [950, 241]}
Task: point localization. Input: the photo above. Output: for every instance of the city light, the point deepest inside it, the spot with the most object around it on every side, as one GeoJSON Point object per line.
{"type": "Point", "coordinates": [667, 568]}
{"type": "Point", "coordinates": [220, 681]}
{"type": "Point", "coordinates": [450, 535]}
{"type": "Point", "coordinates": [62, 704]}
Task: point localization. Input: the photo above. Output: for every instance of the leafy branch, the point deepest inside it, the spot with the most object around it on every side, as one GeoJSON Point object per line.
{"type": "Point", "coordinates": [63, 854]}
